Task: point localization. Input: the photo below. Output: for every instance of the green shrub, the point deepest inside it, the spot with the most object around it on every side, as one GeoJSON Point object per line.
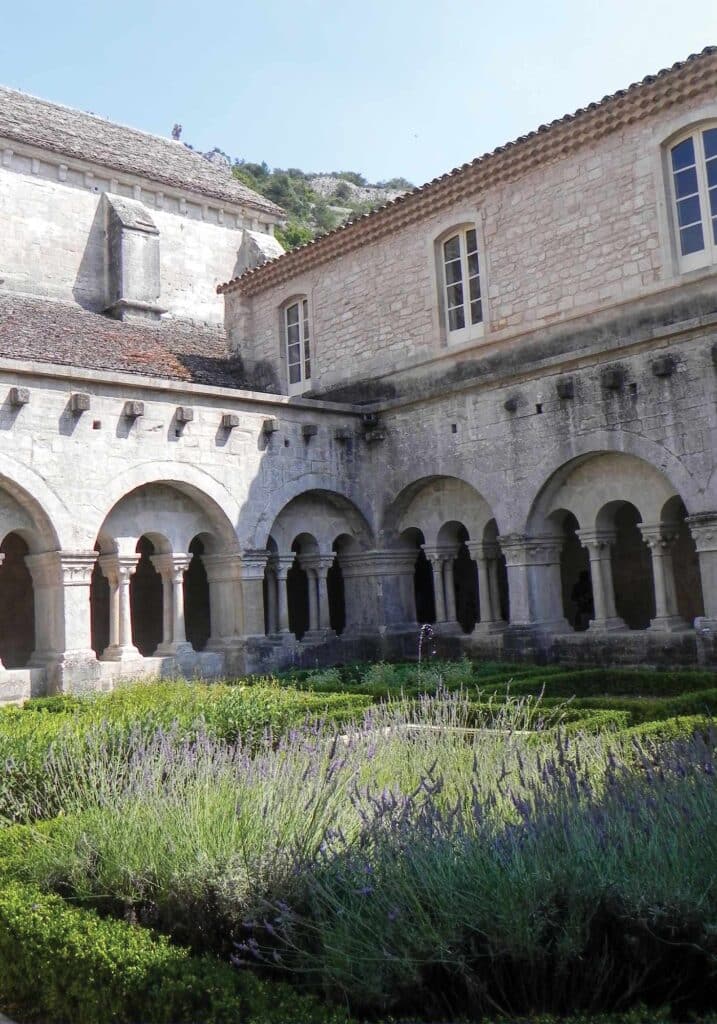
{"type": "Point", "coordinates": [61, 964]}
{"type": "Point", "coordinates": [607, 681]}
{"type": "Point", "coordinates": [683, 727]}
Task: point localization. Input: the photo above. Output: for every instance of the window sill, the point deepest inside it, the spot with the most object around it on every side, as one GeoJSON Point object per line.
{"type": "Point", "coordinates": [466, 336]}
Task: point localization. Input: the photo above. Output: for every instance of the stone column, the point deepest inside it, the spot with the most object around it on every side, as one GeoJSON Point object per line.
{"type": "Point", "coordinates": [437, 556]}
{"type": "Point", "coordinates": [317, 568]}
{"type": "Point", "coordinates": [449, 588]}
{"type": "Point", "coordinates": [223, 576]}
{"type": "Point", "coordinates": [599, 544]}
{"type": "Point", "coordinates": [660, 539]}
{"type": "Point", "coordinates": [253, 564]}
{"type": "Point", "coordinates": [272, 609]}
{"type": "Point", "coordinates": [283, 565]}
{"type": "Point", "coordinates": [703, 527]}
{"type": "Point", "coordinates": [118, 571]}
{"type": "Point", "coordinates": [172, 568]}
{"type": "Point", "coordinates": [486, 556]}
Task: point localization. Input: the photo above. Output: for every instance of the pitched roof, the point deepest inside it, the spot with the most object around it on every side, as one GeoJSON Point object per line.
{"type": "Point", "coordinates": [75, 134]}
{"type": "Point", "coordinates": [693, 77]}
{"type": "Point", "coordinates": [44, 331]}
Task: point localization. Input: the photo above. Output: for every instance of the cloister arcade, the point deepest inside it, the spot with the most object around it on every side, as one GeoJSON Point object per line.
{"type": "Point", "coordinates": [609, 546]}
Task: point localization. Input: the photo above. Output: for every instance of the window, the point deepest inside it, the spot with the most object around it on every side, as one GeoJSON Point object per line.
{"type": "Point", "coordinates": [693, 174]}
{"type": "Point", "coordinates": [463, 307]}
{"type": "Point", "coordinates": [298, 346]}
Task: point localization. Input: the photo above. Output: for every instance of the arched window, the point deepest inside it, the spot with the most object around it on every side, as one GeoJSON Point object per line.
{"type": "Point", "coordinates": [459, 284]}
{"type": "Point", "coordinates": [693, 183]}
{"type": "Point", "coordinates": [297, 344]}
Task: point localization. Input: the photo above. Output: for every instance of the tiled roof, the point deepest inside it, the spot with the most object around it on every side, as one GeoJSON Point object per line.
{"type": "Point", "coordinates": [693, 77]}
{"type": "Point", "coordinates": [75, 134]}
{"type": "Point", "coordinates": [40, 330]}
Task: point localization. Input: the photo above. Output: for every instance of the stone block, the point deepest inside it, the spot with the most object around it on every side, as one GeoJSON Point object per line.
{"type": "Point", "coordinates": [19, 397]}
{"type": "Point", "coordinates": [79, 402]}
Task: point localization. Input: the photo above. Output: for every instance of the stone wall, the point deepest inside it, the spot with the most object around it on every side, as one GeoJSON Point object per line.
{"type": "Point", "coordinates": [578, 236]}
{"type": "Point", "coordinates": [54, 237]}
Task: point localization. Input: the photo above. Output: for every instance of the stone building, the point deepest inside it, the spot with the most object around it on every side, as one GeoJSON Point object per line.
{"type": "Point", "coordinates": [490, 405]}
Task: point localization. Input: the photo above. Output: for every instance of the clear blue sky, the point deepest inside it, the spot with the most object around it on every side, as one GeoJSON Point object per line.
{"type": "Point", "coordinates": [384, 87]}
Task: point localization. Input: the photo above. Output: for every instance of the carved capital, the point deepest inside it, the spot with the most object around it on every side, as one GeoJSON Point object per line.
{"type": "Point", "coordinates": [659, 537]}
{"type": "Point", "coordinates": [378, 563]}
{"type": "Point", "coordinates": [320, 564]}
{"type": "Point", "coordinates": [222, 568]}
{"type": "Point", "coordinates": [598, 542]}
{"type": "Point", "coordinates": [703, 527]}
{"type": "Point", "coordinates": [253, 563]}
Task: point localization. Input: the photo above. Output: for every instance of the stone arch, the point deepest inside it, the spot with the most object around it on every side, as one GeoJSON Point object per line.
{"type": "Point", "coordinates": [171, 515]}
{"type": "Point", "coordinates": [431, 502]}
{"type": "Point", "coordinates": [37, 515]}
{"type": "Point", "coordinates": [255, 528]}
{"type": "Point", "coordinates": [218, 504]}
{"type": "Point", "coordinates": [518, 504]}
{"type": "Point", "coordinates": [325, 514]}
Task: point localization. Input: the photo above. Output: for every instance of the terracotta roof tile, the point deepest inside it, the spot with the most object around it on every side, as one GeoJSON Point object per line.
{"type": "Point", "coordinates": [86, 137]}
{"type": "Point", "coordinates": [56, 332]}
{"type": "Point", "coordinates": [695, 76]}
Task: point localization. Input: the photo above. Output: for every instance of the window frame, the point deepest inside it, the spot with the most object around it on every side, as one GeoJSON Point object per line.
{"type": "Point", "coordinates": [305, 342]}
{"type": "Point", "coordinates": [707, 255]}
{"type": "Point", "coordinates": [469, 332]}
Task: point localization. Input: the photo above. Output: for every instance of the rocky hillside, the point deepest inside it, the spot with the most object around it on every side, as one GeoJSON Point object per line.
{"type": "Point", "coordinates": [314, 202]}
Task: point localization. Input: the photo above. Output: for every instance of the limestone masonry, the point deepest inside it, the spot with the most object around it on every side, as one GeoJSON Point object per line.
{"type": "Point", "coordinates": [490, 405]}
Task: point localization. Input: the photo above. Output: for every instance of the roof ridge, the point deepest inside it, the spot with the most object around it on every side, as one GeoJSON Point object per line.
{"type": "Point", "coordinates": [272, 268]}
{"type": "Point", "coordinates": [98, 117]}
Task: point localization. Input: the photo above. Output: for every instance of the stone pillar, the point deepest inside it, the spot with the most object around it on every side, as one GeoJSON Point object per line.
{"type": "Point", "coordinates": [379, 591]}
{"type": "Point", "coordinates": [535, 587]}
{"type": "Point", "coordinates": [660, 539]}
{"type": "Point", "coordinates": [515, 548]}
{"type": "Point", "coordinates": [118, 571]}
{"type": "Point", "coordinates": [223, 576]}
{"type": "Point", "coordinates": [437, 557]}
{"type": "Point", "coordinates": [253, 564]}
{"type": "Point", "coordinates": [599, 544]}
{"type": "Point", "coordinates": [172, 568]}
{"type": "Point", "coordinates": [272, 608]}
{"type": "Point", "coordinates": [63, 630]}
{"type": "Point", "coordinates": [703, 527]}
{"type": "Point", "coordinates": [316, 568]}
{"type": "Point", "coordinates": [449, 588]}
{"type": "Point", "coordinates": [486, 557]}
{"type": "Point", "coordinates": [283, 565]}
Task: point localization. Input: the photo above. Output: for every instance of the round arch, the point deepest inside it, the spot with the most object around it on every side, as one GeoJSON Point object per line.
{"type": "Point", "coordinates": [29, 507]}
{"type": "Point", "coordinates": [255, 526]}
{"type": "Point", "coordinates": [427, 504]}
{"type": "Point", "coordinates": [517, 507]}
{"type": "Point", "coordinates": [213, 498]}
{"type": "Point", "coordinates": [325, 514]}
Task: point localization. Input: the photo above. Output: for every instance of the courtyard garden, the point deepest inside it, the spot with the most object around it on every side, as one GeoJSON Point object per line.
{"type": "Point", "coordinates": [437, 842]}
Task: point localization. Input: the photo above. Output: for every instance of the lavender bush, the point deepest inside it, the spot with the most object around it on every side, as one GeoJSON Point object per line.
{"type": "Point", "coordinates": [409, 865]}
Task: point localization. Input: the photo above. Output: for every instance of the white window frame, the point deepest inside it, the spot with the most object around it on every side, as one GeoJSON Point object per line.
{"type": "Point", "coordinates": [706, 256]}
{"type": "Point", "coordinates": [470, 331]}
{"type": "Point", "coordinates": [301, 338]}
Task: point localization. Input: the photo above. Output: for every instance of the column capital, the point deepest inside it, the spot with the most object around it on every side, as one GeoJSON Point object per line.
{"type": "Point", "coordinates": [703, 527]}
{"type": "Point", "coordinates": [483, 549]}
{"type": "Point", "coordinates": [597, 541]}
{"type": "Point", "coordinates": [282, 564]}
{"type": "Point", "coordinates": [45, 569]}
{"type": "Point", "coordinates": [320, 564]}
{"type": "Point", "coordinates": [169, 564]}
{"type": "Point", "coordinates": [440, 553]}
{"type": "Point", "coordinates": [522, 549]}
{"type": "Point", "coordinates": [659, 537]}
{"type": "Point", "coordinates": [253, 563]}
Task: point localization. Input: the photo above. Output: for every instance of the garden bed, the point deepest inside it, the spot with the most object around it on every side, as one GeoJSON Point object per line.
{"type": "Point", "coordinates": [180, 851]}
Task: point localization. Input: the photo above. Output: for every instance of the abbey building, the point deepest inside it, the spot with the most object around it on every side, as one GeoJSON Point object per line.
{"type": "Point", "coordinates": [490, 405]}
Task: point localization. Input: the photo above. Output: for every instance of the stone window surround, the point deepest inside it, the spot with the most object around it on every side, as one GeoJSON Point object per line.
{"type": "Point", "coordinates": [94, 178]}
{"type": "Point", "coordinates": [663, 137]}
{"type": "Point", "coordinates": [459, 221]}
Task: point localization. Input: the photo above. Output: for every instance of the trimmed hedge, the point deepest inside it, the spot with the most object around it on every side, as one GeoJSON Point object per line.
{"type": "Point", "coordinates": [607, 681]}
{"type": "Point", "coordinates": [59, 965]}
